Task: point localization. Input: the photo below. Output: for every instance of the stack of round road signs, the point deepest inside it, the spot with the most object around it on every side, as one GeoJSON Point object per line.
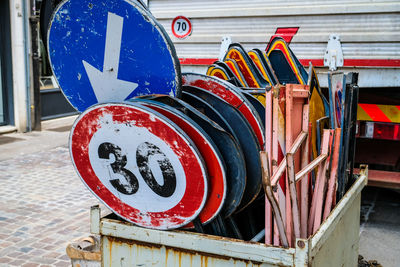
{"type": "Point", "coordinates": [161, 162]}
{"type": "Point", "coordinates": [160, 149]}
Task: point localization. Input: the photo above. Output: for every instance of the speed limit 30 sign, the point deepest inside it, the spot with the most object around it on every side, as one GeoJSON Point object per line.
{"type": "Point", "coordinates": [181, 27]}
{"type": "Point", "coordinates": [139, 164]}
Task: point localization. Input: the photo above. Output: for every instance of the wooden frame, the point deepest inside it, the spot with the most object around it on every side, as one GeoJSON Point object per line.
{"type": "Point", "coordinates": [281, 168]}
{"type": "Point", "coordinates": [296, 97]}
{"type": "Point", "coordinates": [318, 183]}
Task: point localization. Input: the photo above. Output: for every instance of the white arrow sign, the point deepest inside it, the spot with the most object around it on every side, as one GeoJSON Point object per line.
{"type": "Point", "coordinates": [105, 84]}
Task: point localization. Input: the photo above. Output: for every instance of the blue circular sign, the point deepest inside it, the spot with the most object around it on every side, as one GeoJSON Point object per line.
{"type": "Point", "coordinates": [110, 50]}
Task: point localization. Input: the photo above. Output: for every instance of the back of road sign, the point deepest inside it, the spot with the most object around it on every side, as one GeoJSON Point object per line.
{"type": "Point", "coordinates": [110, 50]}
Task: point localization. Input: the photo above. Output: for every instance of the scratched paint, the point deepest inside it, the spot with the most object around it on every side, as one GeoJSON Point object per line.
{"type": "Point", "coordinates": [228, 147]}
{"type": "Point", "coordinates": [110, 50]}
{"type": "Point", "coordinates": [139, 164]}
{"type": "Point", "coordinates": [134, 151]}
{"type": "Point", "coordinates": [212, 157]}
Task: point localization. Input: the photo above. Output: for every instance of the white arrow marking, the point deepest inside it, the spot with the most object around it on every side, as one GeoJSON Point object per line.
{"type": "Point", "coordinates": [105, 84]}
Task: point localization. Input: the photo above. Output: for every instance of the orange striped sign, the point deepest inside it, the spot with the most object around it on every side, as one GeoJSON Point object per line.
{"type": "Point", "coordinates": [217, 72]}
{"type": "Point", "coordinates": [257, 61]}
{"type": "Point", "coordinates": [235, 68]}
{"type": "Point", "coordinates": [381, 113]}
{"type": "Point", "coordinates": [248, 75]}
{"type": "Point", "coordinates": [281, 45]}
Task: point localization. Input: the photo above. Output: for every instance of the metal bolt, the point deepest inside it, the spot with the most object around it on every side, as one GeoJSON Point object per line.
{"type": "Point", "coordinates": [301, 244]}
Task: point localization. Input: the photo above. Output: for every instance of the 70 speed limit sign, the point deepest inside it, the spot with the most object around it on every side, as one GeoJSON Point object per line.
{"type": "Point", "coordinates": [181, 27]}
{"type": "Point", "coordinates": [139, 164]}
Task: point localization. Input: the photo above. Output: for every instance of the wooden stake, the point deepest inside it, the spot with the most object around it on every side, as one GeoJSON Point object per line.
{"type": "Point", "coordinates": [333, 175]}
{"type": "Point", "coordinates": [304, 184]}
{"type": "Point", "coordinates": [289, 141]}
{"type": "Point", "coordinates": [268, 148]}
{"type": "Point", "coordinates": [293, 194]}
{"type": "Point", "coordinates": [270, 195]}
{"type": "Point", "coordinates": [278, 126]}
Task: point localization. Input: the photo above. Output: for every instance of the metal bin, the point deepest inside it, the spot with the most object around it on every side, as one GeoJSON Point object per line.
{"type": "Point", "coordinates": [334, 244]}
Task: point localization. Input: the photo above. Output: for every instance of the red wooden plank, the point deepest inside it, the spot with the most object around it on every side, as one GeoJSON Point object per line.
{"type": "Point", "coordinates": [268, 149]}
{"type": "Point", "coordinates": [329, 204]}
{"type": "Point", "coordinates": [293, 195]}
{"type": "Point", "coordinates": [279, 222]}
{"type": "Point", "coordinates": [324, 151]}
{"type": "Point", "coordinates": [320, 189]}
{"type": "Point", "coordinates": [304, 183]}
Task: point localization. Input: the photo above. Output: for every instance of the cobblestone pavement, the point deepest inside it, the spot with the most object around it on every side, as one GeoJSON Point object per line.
{"type": "Point", "coordinates": [43, 206]}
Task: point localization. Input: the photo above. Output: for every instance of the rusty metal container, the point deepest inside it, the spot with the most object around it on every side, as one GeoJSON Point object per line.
{"type": "Point", "coordinates": [334, 244]}
{"type": "Point", "coordinates": [85, 252]}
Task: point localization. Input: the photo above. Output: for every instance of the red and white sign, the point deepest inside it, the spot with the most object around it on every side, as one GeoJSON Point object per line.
{"type": "Point", "coordinates": [181, 27]}
{"type": "Point", "coordinates": [139, 164]}
{"type": "Point", "coordinates": [213, 160]}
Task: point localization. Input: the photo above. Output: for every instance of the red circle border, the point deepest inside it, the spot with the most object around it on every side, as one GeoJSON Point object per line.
{"type": "Point", "coordinates": [190, 27]}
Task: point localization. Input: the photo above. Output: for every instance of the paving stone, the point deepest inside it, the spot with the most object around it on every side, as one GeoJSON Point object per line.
{"type": "Point", "coordinates": [17, 262]}
{"type": "Point", "coordinates": [14, 239]}
{"type": "Point", "coordinates": [49, 248]}
{"type": "Point", "coordinates": [30, 264]}
{"type": "Point", "coordinates": [5, 260]}
{"type": "Point", "coordinates": [39, 245]}
{"type": "Point", "coordinates": [5, 244]}
{"type": "Point", "coordinates": [63, 264]}
{"type": "Point", "coordinates": [27, 242]}
{"type": "Point", "coordinates": [64, 257]}
{"type": "Point", "coordinates": [52, 255]}
{"type": "Point", "coordinates": [37, 252]}
{"type": "Point", "coordinates": [43, 260]}
{"type": "Point", "coordinates": [7, 250]}
{"type": "Point", "coordinates": [47, 240]}
{"type": "Point", "coordinates": [15, 254]}
{"type": "Point", "coordinates": [25, 249]}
